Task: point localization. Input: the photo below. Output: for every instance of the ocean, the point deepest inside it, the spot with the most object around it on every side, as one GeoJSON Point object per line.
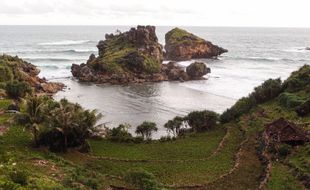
{"type": "Point", "coordinates": [255, 55]}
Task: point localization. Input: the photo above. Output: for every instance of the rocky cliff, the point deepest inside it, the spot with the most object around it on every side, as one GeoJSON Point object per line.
{"type": "Point", "coordinates": [14, 68]}
{"type": "Point", "coordinates": [131, 57]}
{"type": "Point", "coordinates": [182, 45]}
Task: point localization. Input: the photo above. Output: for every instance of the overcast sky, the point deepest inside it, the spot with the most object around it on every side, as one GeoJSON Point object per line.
{"type": "Point", "coordinates": [270, 13]}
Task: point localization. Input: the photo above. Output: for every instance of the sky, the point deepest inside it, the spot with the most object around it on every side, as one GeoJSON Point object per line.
{"type": "Point", "coordinates": [247, 13]}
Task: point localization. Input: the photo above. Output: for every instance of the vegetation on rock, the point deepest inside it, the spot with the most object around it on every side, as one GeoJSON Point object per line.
{"type": "Point", "coordinates": [182, 45]}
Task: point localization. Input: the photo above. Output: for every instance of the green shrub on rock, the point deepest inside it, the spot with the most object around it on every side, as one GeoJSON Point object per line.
{"type": "Point", "coordinates": [16, 89]}
{"type": "Point", "coordinates": [6, 74]}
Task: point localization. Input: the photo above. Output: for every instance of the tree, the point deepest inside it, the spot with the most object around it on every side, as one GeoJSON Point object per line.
{"type": "Point", "coordinates": [35, 114]}
{"type": "Point", "coordinates": [202, 120]}
{"type": "Point", "coordinates": [146, 129]}
{"type": "Point", "coordinates": [62, 119]}
{"type": "Point", "coordinates": [70, 125]}
{"type": "Point", "coordinates": [174, 126]}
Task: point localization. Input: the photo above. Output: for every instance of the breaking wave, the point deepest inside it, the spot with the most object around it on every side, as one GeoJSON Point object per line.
{"type": "Point", "coordinates": [65, 42]}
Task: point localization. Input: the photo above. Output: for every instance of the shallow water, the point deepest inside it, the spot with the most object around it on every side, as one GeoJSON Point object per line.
{"type": "Point", "coordinates": [255, 54]}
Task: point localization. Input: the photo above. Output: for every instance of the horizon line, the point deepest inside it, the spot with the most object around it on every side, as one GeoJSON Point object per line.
{"type": "Point", "coordinates": [132, 25]}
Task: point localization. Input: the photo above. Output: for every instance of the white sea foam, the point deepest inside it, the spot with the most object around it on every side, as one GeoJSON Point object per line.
{"type": "Point", "coordinates": [65, 42]}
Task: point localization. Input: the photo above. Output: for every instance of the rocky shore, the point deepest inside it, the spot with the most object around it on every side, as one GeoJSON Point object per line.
{"type": "Point", "coordinates": [14, 68]}
{"type": "Point", "coordinates": [134, 56]}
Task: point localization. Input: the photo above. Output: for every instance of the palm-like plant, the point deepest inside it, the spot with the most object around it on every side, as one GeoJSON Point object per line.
{"type": "Point", "coordinates": [62, 118]}
{"type": "Point", "coordinates": [34, 112]}
{"type": "Point", "coordinates": [72, 120]}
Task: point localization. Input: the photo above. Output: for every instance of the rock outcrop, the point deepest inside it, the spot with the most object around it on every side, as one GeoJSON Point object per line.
{"type": "Point", "coordinates": [14, 68]}
{"type": "Point", "coordinates": [130, 57]}
{"type": "Point", "coordinates": [182, 45]}
{"type": "Point", "coordinates": [197, 70]}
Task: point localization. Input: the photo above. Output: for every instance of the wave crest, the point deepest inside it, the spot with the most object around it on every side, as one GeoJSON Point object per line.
{"type": "Point", "coordinates": [65, 42]}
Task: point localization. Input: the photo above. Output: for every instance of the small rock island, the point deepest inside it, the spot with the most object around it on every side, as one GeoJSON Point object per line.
{"type": "Point", "coordinates": [182, 45]}
{"type": "Point", "coordinates": [136, 56]}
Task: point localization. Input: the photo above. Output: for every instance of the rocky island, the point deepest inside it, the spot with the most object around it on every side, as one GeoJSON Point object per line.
{"type": "Point", "coordinates": [134, 56]}
{"type": "Point", "coordinates": [182, 45]}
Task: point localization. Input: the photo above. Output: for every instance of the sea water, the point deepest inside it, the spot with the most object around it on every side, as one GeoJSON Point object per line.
{"type": "Point", "coordinates": [255, 55]}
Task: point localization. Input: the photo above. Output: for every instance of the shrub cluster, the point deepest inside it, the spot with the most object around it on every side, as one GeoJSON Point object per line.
{"type": "Point", "coordinates": [263, 93]}
{"type": "Point", "coordinates": [298, 79]}
{"type": "Point", "coordinates": [289, 100]}
{"type": "Point", "coordinates": [59, 125]}
{"type": "Point", "coordinates": [16, 89]}
{"type": "Point", "coordinates": [142, 180]}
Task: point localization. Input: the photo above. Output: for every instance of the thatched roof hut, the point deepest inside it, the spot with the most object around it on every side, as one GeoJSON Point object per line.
{"type": "Point", "coordinates": [283, 131]}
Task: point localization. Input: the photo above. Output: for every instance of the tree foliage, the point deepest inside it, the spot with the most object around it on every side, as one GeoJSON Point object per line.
{"type": "Point", "coordinates": [146, 129]}
{"type": "Point", "coordinates": [202, 120]}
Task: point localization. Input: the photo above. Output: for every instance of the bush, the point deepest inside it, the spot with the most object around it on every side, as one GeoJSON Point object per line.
{"type": "Point", "coordinates": [120, 133]}
{"type": "Point", "coordinates": [142, 180]}
{"type": "Point", "coordinates": [284, 150]}
{"type": "Point", "coordinates": [146, 129]}
{"type": "Point", "coordinates": [263, 93]}
{"type": "Point", "coordinates": [18, 89]}
{"type": "Point", "coordinates": [289, 100]}
{"type": "Point", "coordinates": [242, 106]}
{"type": "Point", "coordinates": [267, 91]}
{"type": "Point", "coordinates": [19, 176]}
{"type": "Point", "coordinates": [6, 74]}
{"type": "Point", "coordinates": [201, 120]}
{"type": "Point", "coordinates": [304, 109]}
{"type": "Point", "coordinates": [298, 79]}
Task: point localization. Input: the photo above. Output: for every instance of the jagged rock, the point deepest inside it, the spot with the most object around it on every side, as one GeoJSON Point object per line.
{"type": "Point", "coordinates": [52, 87]}
{"type": "Point", "coordinates": [134, 51]}
{"type": "Point", "coordinates": [134, 56]}
{"type": "Point", "coordinates": [182, 45]}
{"type": "Point", "coordinates": [197, 70]}
{"type": "Point", "coordinates": [18, 69]}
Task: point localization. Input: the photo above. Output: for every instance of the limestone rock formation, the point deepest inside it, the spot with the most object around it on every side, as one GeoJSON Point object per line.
{"type": "Point", "coordinates": [130, 57]}
{"type": "Point", "coordinates": [197, 70]}
{"type": "Point", "coordinates": [14, 68]}
{"type": "Point", "coordinates": [182, 45]}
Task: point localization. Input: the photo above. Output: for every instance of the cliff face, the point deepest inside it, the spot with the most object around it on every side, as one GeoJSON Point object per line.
{"type": "Point", "coordinates": [131, 57]}
{"type": "Point", "coordinates": [135, 51]}
{"type": "Point", "coordinates": [14, 68]}
{"type": "Point", "coordinates": [182, 45]}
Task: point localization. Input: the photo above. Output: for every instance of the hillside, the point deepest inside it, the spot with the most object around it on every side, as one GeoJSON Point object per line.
{"type": "Point", "coordinates": [232, 155]}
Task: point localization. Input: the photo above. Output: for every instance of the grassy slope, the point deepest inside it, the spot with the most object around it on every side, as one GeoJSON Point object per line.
{"type": "Point", "coordinates": [196, 160]}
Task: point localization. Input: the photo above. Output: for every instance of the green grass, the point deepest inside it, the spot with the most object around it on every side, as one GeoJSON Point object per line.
{"type": "Point", "coordinates": [300, 159]}
{"type": "Point", "coordinates": [169, 173]}
{"type": "Point", "coordinates": [199, 146]}
{"type": "Point", "coordinates": [5, 103]}
{"type": "Point", "coordinates": [282, 179]}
